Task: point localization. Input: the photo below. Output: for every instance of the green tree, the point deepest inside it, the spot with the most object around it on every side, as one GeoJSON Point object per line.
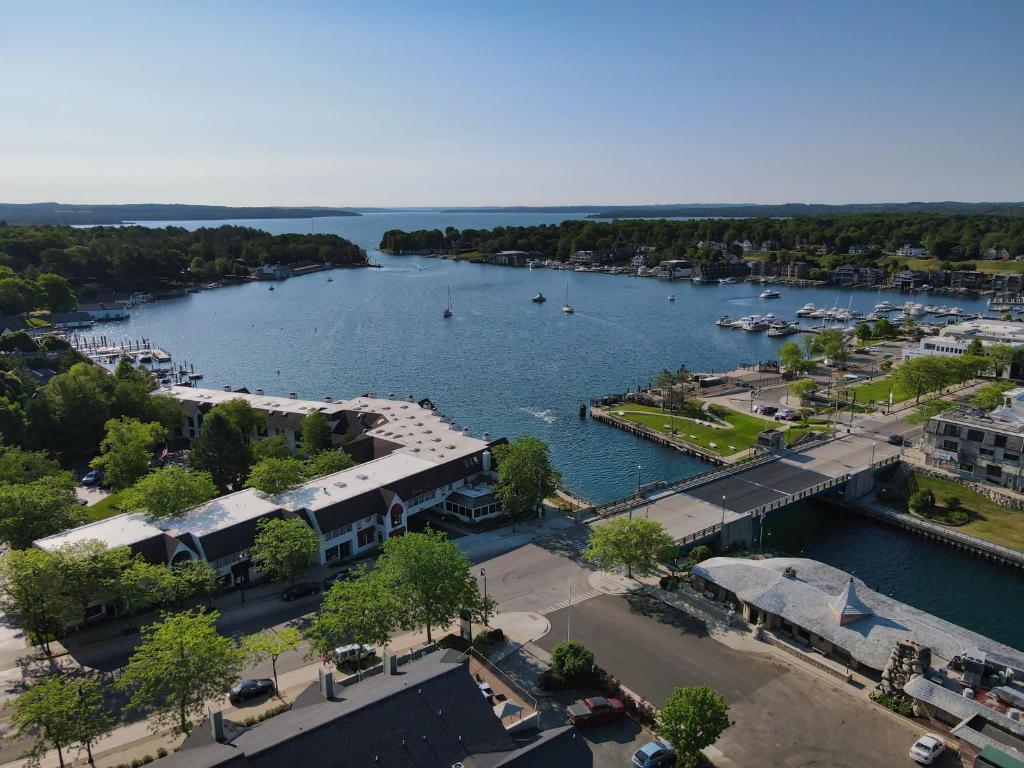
{"type": "Point", "coordinates": [38, 509]}
{"type": "Point", "coordinates": [273, 446]}
{"type": "Point", "coordinates": [90, 572]}
{"type": "Point", "coordinates": [250, 422]}
{"type": "Point", "coordinates": [803, 389]}
{"type": "Point", "coordinates": [863, 331]}
{"type": "Point", "coordinates": [525, 475]}
{"type": "Point", "coordinates": [47, 713]}
{"type": "Point", "coordinates": [274, 476]}
{"type": "Point", "coordinates": [430, 578]}
{"type": "Point", "coordinates": [316, 432]}
{"type": "Point", "coordinates": [180, 663]}
{"type": "Point", "coordinates": [32, 587]}
{"type": "Point", "coordinates": [990, 396]}
{"type": "Point", "coordinates": [80, 404]}
{"type": "Point", "coordinates": [975, 347]}
{"type": "Point", "coordinates": [221, 450]}
{"type": "Point", "coordinates": [700, 553]}
{"type": "Point", "coordinates": [831, 345]}
{"type": "Point", "coordinates": [127, 450]}
{"type": "Point", "coordinates": [883, 329]}
{"type": "Point", "coordinates": [792, 359]}
{"type": "Point", "coordinates": [1000, 357]}
{"type": "Point", "coordinates": [271, 644]}
{"type": "Point", "coordinates": [921, 502]}
{"type": "Point", "coordinates": [571, 660]}
{"type": "Point", "coordinates": [362, 609]}
{"type": "Point", "coordinates": [192, 578]}
{"type": "Point", "coordinates": [13, 422]}
{"type": "Point", "coordinates": [327, 463]}
{"type": "Point", "coordinates": [18, 466]}
{"type": "Point", "coordinates": [168, 491]}
{"type": "Point", "coordinates": [92, 721]}
{"type": "Point", "coordinates": [55, 293]}
{"type": "Point", "coordinates": [691, 720]}
{"type": "Point", "coordinates": [636, 544]}
{"type": "Point", "coordinates": [139, 585]}
{"type": "Point", "coordinates": [922, 374]}
{"type": "Point", "coordinates": [283, 549]}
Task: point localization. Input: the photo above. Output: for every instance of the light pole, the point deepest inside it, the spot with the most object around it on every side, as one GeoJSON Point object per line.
{"type": "Point", "coordinates": [483, 573]}
{"type": "Point", "coordinates": [638, 468]}
{"type": "Point", "coordinates": [723, 522]}
{"type": "Point", "coordinates": [240, 577]}
{"type": "Point", "coordinates": [568, 615]}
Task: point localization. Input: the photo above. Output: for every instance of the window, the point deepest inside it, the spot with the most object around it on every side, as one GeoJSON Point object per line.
{"type": "Point", "coordinates": [953, 430]}
{"type": "Point", "coordinates": [1000, 441]}
{"type": "Point", "coordinates": [1012, 458]}
{"type": "Point", "coordinates": [365, 537]}
{"type": "Point", "coordinates": [949, 445]}
{"type": "Point", "coordinates": [987, 452]}
{"type": "Point", "coordinates": [993, 471]}
{"type": "Point", "coordinates": [338, 532]}
{"type": "Point", "coordinates": [976, 435]}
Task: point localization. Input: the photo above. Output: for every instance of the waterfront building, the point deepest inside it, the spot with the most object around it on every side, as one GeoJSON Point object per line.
{"type": "Point", "coordinates": [510, 258]}
{"type": "Point", "coordinates": [412, 460]}
{"type": "Point", "coordinates": [271, 272]}
{"type": "Point", "coordinates": [858, 250]}
{"type": "Point", "coordinates": [828, 610]}
{"type": "Point", "coordinates": [674, 269]}
{"type": "Point", "coordinates": [77, 319]}
{"type": "Point", "coordinates": [980, 446]}
{"type": "Point", "coordinates": [913, 250]}
{"type": "Point", "coordinates": [107, 310]}
{"type": "Point", "coordinates": [967, 280]}
{"type": "Point", "coordinates": [760, 268]}
{"type": "Point", "coordinates": [586, 258]}
{"type": "Point", "coordinates": [796, 270]}
{"type": "Point", "coordinates": [953, 339]}
{"type": "Point", "coordinates": [1007, 283]}
{"type": "Point", "coordinates": [909, 279]}
{"type": "Point", "coordinates": [720, 270]}
{"type": "Point", "coordinates": [850, 274]}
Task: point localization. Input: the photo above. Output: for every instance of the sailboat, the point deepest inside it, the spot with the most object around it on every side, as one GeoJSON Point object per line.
{"type": "Point", "coordinates": [568, 307]}
{"type": "Point", "coordinates": [448, 310]}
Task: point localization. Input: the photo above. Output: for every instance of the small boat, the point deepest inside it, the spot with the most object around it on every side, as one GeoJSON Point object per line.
{"type": "Point", "coordinates": [567, 307]}
{"type": "Point", "coordinates": [806, 310]}
{"type": "Point", "coordinates": [726, 281]}
{"type": "Point", "coordinates": [768, 293]}
{"type": "Point", "coordinates": [448, 310]}
{"type": "Point", "coordinates": [538, 299]}
{"type": "Point", "coordinates": [330, 279]}
{"type": "Point", "coordinates": [671, 297]}
{"type": "Point", "coordinates": [271, 288]}
{"type": "Point", "coordinates": [884, 306]}
{"type": "Point", "coordinates": [724, 321]}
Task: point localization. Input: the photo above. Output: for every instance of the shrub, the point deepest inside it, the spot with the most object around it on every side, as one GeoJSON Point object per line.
{"type": "Point", "coordinates": [700, 553]}
{"type": "Point", "coordinates": [161, 752]}
{"type": "Point", "coordinates": [571, 660]}
{"type": "Point", "coordinates": [137, 763]}
{"type": "Point", "coordinates": [146, 759]}
{"type": "Point", "coordinates": [953, 504]}
{"type": "Point", "coordinates": [899, 704]}
{"type": "Point", "coordinates": [921, 502]}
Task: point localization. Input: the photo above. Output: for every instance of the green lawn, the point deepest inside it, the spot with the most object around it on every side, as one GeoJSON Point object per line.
{"type": "Point", "coordinates": [106, 507]}
{"type": "Point", "coordinates": [989, 520]}
{"type": "Point", "coordinates": [740, 435]}
{"type": "Point", "coordinates": [878, 390]}
{"type": "Point", "coordinates": [979, 264]}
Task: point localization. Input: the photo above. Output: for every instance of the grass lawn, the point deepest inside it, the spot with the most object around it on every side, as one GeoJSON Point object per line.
{"type": "Point", "coordinates": [989, 520]}
{"type": "Point", "coordinates": [106, 507]}
{"type": "Point", "coordinates": [878, 390]}
{"type": "Point", "coordinates": [740, 435]}
{"type": "Point", "coordinates": [979, 264]}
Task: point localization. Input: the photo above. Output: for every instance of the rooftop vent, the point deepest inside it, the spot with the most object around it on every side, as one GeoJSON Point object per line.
{"type": "Point", "coordinates": [328, 399]}
{"type": "Point", "coordinates": [227, 387]}
{"type": "Point", "coordinates": [789, 572]}
{"type": "Point", "coordinates": [293, 396]}
{"type": "Point", "coordinates": [259, 392]}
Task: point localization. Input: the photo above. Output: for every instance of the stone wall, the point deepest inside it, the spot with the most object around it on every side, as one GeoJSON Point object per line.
{"type": "Point", "coordinates": [908, 658]}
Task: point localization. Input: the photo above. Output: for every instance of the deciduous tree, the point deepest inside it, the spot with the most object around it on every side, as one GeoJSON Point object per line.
{"type": "Point", "coordinates": [283, 549]}
{"type": "Point", "coordinates": [327, 463]}
{"type": "Point", "coordinates": [250, 422]}
{"type": "Point", "coordinates": [525, 475]}
{"type": "Point", "coordinates": [32, 587]}
{"type": "Point", "coordinates": [168, 491]}
{"type": "Point", "coordinates": [181, 662]}
{"type": "Point", "coordinates": [274, 476]}
{"type": "Point", "coordinates": [362, 609]}
{"type": "Point", "coordinates": [271, 644]}
{"type": "Point", "coordinates": [38, 509]}
{"type": "Point", "coordinates": [127, 450]}
{"type": "Point", "coordinates": [48, 714]}
{"type": "Point", "coordinates": [637, 544]}
{"type": "Point", "coordinates": [316, 432]}
{"type": "Point", "coordinates": [691, 720]}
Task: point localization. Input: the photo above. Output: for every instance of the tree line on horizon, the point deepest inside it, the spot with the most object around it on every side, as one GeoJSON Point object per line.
{"type": "Point", "coordinates": [879, 233]}
{"type": "Point", "coordinates": [137, 257]}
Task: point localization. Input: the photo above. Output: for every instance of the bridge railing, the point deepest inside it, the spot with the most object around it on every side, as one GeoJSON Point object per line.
{"type": "Point", "coordinates": [798, 495]}
{"type": "Point", "coordinates": [698, 535]}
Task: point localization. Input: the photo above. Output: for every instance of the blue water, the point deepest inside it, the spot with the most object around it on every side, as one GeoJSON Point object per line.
{"type": "Point", "coordinates": [507, 366]}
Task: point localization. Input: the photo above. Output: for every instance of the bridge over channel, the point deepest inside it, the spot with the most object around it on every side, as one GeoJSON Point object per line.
{"type": "Point", "coordinates": [724, 502]}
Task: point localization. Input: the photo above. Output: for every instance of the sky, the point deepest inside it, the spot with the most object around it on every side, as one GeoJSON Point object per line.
{"type": "Point", "coordinates": [445, 102]}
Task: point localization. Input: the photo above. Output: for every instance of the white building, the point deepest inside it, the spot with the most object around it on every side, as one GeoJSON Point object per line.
{"type": "Point", "coordinates": [107, 310]}
{"type": "Point", "coordinates": [412, 459]}
{"type": "Point", "coordinates": [954, 339]}
{"type": "Point", "coordinates": [912, 250]}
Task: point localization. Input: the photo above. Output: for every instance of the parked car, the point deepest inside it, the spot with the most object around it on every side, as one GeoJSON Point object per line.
{"type": "Point", "coordinates": [303, 589]}
{"type": "Point", "coordinates": [927, 749]}
{"type": "Point", "coordinates": [339, 575]}
{"type": "Point", "coordinates": [895, 439]}
{"type": "Point", "coordinates": [244, 690]}
{"type": "Point", "coordinates": [594, 710]}
{"type": "Point", "coordinates": [786, 414]}
{"type": "Point", "coordinates": [654, 754]}
{"type": "Point", "coordinates": [92, 477]}
{"type": "Point", "coordinates": [769, 410]}
{"type": "Point", "coordinates": [347, 654]}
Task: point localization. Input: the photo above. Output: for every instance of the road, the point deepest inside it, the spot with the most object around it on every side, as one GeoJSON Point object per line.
{"type": "Point", "coordinates": [784, 716]}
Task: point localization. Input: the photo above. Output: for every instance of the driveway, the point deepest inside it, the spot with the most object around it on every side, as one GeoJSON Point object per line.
{"type": "Point", "coordinates": [784, 716]}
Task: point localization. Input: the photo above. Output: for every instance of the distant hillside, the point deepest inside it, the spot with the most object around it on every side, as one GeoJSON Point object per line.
{"type": "Point", "coordinates": [802, 209]}
{"type": "Point", "coordinates": [60, 213]}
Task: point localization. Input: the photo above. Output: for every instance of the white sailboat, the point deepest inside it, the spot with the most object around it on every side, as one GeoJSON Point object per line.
{"type": "Point", "coordinates": [448, 310]}
{"type": "Point", "coordinates": [567, 308]}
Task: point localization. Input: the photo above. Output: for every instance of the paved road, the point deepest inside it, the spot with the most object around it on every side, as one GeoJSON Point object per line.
{"type": "Point", "coordinates": [784, 716]}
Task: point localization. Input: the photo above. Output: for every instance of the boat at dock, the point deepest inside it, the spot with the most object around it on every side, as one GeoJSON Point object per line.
{"type": "Point", "coordinates": [725, 322]}
{"type": "Point", "coordinates": [806, 310]}
{"type": "Point", "coordinates": [782, 328]}
{"type": "Point", "coordinates": [753, 323]}
{"type": "Point", "coordinates": [884, 306]}
{"type": "Point", "coordinates": [727, 281]}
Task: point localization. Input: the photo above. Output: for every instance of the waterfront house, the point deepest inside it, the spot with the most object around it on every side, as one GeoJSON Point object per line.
{"type": "Point", "coordinates": [761, 268]}
{"type": "Point", "coordinates": [819, 607]}
{"type": "Point", "coordinates": [850, 274]}
{"type": "Point", "coordinates": [271, 272]}
{"type": "Point", "coordinates": [511, 258]}
{"type": "Point", "coordinates": [796, 270]}
{"type": "Point", "coordinates": [674, 269]}
{"type": "Point", "coordinates": [915, 251]}
{"type": "Point", "coordinates": [1007, 282]}
{"type": "Point", "coordinates": [858, 250]}
{"type": "Point", "coordinates": [106, 310]}
{"type": "Point", "coordinates": [980, 446]}
{"type": "Point", "coordinates": [909, 279]}
{"type": "Point", "coordinates": [638, 261]}
{"type": "Point", "coordinates": [586, 258]}
{"type": "Point", "coordinates": [78, 319]}
{"type": "Point", "coordinates": [967, 280]}
{"type": "Point", "coordinates": [719, 270]}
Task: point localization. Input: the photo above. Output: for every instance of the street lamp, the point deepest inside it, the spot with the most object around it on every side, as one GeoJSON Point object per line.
{"type": "Point", "coordinates": [638, 468]}
{"type": "Point", "coordinates": [723, 522]}
{"type": "Point", "coordinates": [241, 579]}
{"type": "Point", "coordinates": [483, 573]}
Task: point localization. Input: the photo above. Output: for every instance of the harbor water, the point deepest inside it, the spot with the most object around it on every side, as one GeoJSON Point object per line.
{"type": "Point", "coordinates": [507, 366]}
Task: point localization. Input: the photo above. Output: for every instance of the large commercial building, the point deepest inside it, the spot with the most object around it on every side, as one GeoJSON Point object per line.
{"type": "Point", "coordinates": [953, 340]}
{"type": "Point", "coordinates": [412, 459]}
{"type": "Point", "coordinates": [981, 446]}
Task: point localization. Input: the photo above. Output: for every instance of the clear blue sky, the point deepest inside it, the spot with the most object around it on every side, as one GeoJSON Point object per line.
{"type": "Point", "coordinates": [482, 103]}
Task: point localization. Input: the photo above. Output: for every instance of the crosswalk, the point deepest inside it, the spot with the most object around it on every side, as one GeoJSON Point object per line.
{"type": "Point", "coordinates": [576, 599]}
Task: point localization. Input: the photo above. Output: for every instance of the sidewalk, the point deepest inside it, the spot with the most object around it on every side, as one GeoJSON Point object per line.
{"type": "Point", "coordinates": [489, 544]}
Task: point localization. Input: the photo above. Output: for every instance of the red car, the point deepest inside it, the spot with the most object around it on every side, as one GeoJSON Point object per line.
{"type": "Point", "coordinates": [595, 710]}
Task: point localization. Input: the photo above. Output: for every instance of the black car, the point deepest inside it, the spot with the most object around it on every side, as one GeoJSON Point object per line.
{"type": "Point", "coordinates": [895, 439]}
{"type": "Point", "coordinates": [244, 690]}
{"type": "Point", "coordinates": [304, 589]}
{"type": "Point", "coordinates": [340, 575]}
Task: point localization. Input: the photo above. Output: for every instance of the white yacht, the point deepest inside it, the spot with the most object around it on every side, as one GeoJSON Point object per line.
{"type": "Point", "coordinates": [724, 321]}
{"type": "Point", "coordinates": [768, 293]}
{"type": "Point", "coordinates": [806, 310]}
{"type": "Point", "coordinates": [753, 323]}
{"type": "Point", "coordinates": [818, 314]}
{"type": "Point", "coordinates": [567, 307]}
{"type": "Point", "coordinates": [671, 297]}
{"type": "Point", "coordinates": [726, 280]}
{"type": "Point", "coordinates": [884, 306]}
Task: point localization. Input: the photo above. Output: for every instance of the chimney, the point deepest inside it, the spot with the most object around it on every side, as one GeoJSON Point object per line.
{"type": "Point", "coordinates": [227, 387]}
{"type": "Point", "coordinates": [409, 398]}
{"type": "Point", "coordinates": [328, 399]}
{"type": "Point", "coordinates": [327, 684]}
{"type": "Point", "coordinates": [293, 396]}
{"type": "Point", "coordinates": [486, 456]}
{"type": "Point", "coordinates": [259, 392]}
{"type": "Point", "coordinates": [391, 395]}
{"type": "Point", "coordinates": [217, 726]}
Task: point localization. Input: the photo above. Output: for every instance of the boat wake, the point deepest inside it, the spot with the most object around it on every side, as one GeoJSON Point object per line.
{"type": "Point", "coordinates": [546, 416]}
